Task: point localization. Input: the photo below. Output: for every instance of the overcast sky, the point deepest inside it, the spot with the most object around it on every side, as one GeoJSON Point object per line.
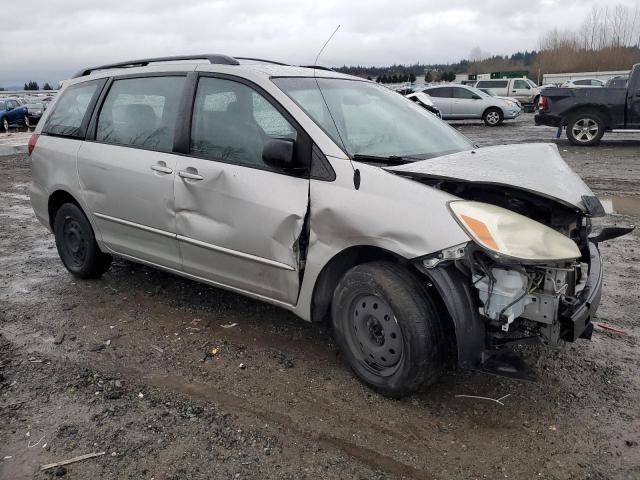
{"type": "Point", "coordinates": [48, 40]}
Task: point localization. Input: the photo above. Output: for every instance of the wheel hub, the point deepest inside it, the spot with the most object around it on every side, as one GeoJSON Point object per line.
{"type": "Point", "coordinates": [376, 333]}
{"type": "Point", "coordinates": [74, 240]}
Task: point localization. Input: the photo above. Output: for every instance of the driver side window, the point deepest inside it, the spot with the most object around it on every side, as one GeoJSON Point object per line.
{"type": "Point", "coordinates": [141, 112]}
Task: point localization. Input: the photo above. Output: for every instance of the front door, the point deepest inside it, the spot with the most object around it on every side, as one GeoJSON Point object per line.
{"type": "Point", "coordinates": [521, 90]}
{"type": "Point", "coordinates": [127, 172]}
{"type": "Point", "coordinates": [464, 103]}
{"type": "Point", "coordinates": [239, 221]}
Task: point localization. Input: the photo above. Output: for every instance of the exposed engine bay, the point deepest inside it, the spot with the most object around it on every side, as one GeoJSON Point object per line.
{"type": "Point", "coordinates": [521, 299]}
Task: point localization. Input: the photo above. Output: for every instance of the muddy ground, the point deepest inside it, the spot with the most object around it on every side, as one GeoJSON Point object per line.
{"type": "Point", "coordinates": [139, 365]}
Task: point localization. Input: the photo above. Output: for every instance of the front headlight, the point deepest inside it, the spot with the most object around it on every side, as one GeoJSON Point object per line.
{"type": "Point", "coordinates": [511, 234]}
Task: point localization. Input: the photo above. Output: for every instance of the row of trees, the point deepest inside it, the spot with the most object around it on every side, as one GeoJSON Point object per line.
{"type": "Point", "coordinates": [608, 39]}
{"type": "Point", "coordinates": [34, 86]}
{"type": "Point", "coordinates": [411, 78]}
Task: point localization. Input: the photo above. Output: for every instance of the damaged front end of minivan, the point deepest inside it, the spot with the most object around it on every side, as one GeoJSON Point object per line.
{"type": "Point", "coordinates": [531, 272]}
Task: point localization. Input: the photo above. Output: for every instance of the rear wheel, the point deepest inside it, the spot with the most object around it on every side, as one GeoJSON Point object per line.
{"type": "Point", "coordinates": [77, 245]}
{"type": "Point", "coordinates": [585, 129]}
{"type": "Point", "coordinates": [387, 328]}
{"type": "Point", "coordinates": [5, 125]}
{"type": "Point", "coordinates": [493, 117]}
{"type": "Point", "coordinates": [26, 122]}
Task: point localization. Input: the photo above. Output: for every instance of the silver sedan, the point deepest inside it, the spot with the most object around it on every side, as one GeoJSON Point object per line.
{"type": "Point", "coordinates": [463, 102]}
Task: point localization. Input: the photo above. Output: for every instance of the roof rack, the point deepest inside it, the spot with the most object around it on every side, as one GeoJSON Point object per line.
{"type": "Point", "coordinates": [262, 60]}
{"type": "Point", "coordinates": [318, 67]}
{"type": "Point", "coordinates": [213, 58]}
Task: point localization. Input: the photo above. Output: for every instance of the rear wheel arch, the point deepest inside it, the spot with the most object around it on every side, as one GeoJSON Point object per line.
{"type": "Point", "coordinates": [56, 200]}
{"type": "Point", "coordinates": [586, 109]}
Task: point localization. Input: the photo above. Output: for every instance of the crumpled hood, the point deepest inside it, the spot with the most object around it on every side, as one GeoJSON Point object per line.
{"type": "Point", "coordinates": [533, 167]}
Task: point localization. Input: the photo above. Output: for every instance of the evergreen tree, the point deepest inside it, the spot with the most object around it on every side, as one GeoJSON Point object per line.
{"type": "Point", "coordinates": [47, 86]}
{"type": "Point", "coordinates": [412, 78]}
{"type": "Point", "coordinates": [26, 87]}
{"type": "Point", "coordinates": [428, 78]}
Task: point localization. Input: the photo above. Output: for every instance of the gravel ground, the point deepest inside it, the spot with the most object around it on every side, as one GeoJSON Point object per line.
{"type": "Point", "coordinates": [139, 365]}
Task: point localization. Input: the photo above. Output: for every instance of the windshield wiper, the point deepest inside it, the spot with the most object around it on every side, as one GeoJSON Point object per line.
{"type": "Point", "coordinates": [390, 160]}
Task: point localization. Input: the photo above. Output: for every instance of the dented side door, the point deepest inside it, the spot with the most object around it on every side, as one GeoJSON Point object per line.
{"type": "Point", "coordinates": [239, 226]}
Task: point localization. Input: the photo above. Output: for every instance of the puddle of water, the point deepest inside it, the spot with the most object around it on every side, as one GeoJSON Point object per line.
{"type": "Point", "coordinates": [621, 205]}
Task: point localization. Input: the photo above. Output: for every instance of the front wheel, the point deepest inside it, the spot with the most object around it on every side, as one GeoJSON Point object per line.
{"type": "Point", "coordinates": [388, 328]}
{"type": "Point", "coordinates": [585, 129]}
{"type": "Point", "coordinates": [77, 245]}
{"type": "Point", "coordinates": [5, 125]}
{"type": "Point", "coordinates": [27, 123]}
{"type": "Point", "coordinates": [493, 117]}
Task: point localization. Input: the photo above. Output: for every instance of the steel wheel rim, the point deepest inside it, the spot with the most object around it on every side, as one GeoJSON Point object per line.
{"type": "Point", "coordinates": [585, 129]}
{"type": "Point", "coordinates": [75, 242]}
{"type": "Point", "coordinates": [493, 117]}
{"type": "Point", "coordinates": [5, 124]}
{"type": "Point", "coordinates": [375, 336]}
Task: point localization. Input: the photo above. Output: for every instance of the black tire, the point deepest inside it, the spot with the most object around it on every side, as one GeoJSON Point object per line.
{"type": "Point", "coordinates": [388, 329]}
{"type": "Point", "coordinates": [536, 101]}
{"type": "Point", "coordinates": [585, 129]}
{"type": "Point", "coordinates": [493, 117]}
{"type": "Point", "coordinates": [76, 243]}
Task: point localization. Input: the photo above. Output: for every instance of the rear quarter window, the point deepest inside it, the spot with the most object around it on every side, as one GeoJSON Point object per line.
{"type": "Point", "coordinates": [71, 112]}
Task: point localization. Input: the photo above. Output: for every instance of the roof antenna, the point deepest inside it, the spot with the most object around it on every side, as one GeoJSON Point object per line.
{"type": "Point", "coordinates": [356, 172]}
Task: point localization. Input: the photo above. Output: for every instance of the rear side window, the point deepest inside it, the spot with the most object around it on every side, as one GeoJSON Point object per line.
{"type": "Point", "coordinates": [141, 112]}
{"type": "Point", "coordinates": [521, 84]}
{"type": "Point", "coordinates": [69, 116]}
{"type": "Point", "coordinates": [441, 92]}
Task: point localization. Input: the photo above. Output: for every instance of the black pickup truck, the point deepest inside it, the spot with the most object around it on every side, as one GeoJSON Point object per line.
{"type": "Point", "coordinates": [589, 112]}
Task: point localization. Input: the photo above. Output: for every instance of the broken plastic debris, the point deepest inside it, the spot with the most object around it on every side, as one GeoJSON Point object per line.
{"type": "Point", "coordinates": [230, 325]}
{"type": "Point", "coordinates": [242, 366]}
{"type": "Point", "coordinates": [141, 395]}
{"type": "Point", "coordinates": [610, 328]}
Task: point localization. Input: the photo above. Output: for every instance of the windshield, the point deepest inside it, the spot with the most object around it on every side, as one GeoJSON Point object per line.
{"type": "Point", "coordinates": [364, 118]}
{"type": "Point", "coordinates": [489, 92]}
{"type": "Point", "coordinates": [532, 83]}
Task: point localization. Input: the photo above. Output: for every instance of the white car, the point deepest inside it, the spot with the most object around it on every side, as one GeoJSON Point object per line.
{"type": "Point", "coordinates": [584, 83]}
{"type": "Point", "coordinates": [457, 102]}
{"type": "Point", "coordinates": [425, 102]}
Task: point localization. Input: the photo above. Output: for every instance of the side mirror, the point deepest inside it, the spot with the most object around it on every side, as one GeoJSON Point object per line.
{"type": "Point", "coordinates": [278, 153]}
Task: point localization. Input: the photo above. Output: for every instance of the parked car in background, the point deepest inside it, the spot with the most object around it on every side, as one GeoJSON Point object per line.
{"type": "Point", "coordinates": [463, 102]}
{"type": "Point", "coordinates": [491, 93]}
{"type": "Point", "coordinates": [424, 101]}
{"type": "Point", "coordinates": [584, 83]}
{"type": "Point", "coordinates": [12, 113]}
{"type": "Point", "coordinates": [378, 217]}
{"type": "Point", "coordinates": [619, 81]}
{"type": "Point", "coordinates": [588, 113]}
{"type": "Point", "coordinates": [34, 112]}
{"type": "Point", "coordinates": [523, 89]}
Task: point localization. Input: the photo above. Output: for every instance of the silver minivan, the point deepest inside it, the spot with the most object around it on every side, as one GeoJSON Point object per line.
{"type": "Point", "coordinates": [327, 195]}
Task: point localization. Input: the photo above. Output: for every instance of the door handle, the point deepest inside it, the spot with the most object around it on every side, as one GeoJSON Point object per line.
{"type": "Point", "coordinates": [190, 175]}
{"type": "Point", "coordinates": [161, 169]}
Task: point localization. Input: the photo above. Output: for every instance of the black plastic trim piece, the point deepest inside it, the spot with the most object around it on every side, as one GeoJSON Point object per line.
{"type": "Point", "coordinates": [262, 60]}
{"type": "Point", "coordinates": [321, 169]}
{"type": "Point", "coordinates": [459, 299]}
